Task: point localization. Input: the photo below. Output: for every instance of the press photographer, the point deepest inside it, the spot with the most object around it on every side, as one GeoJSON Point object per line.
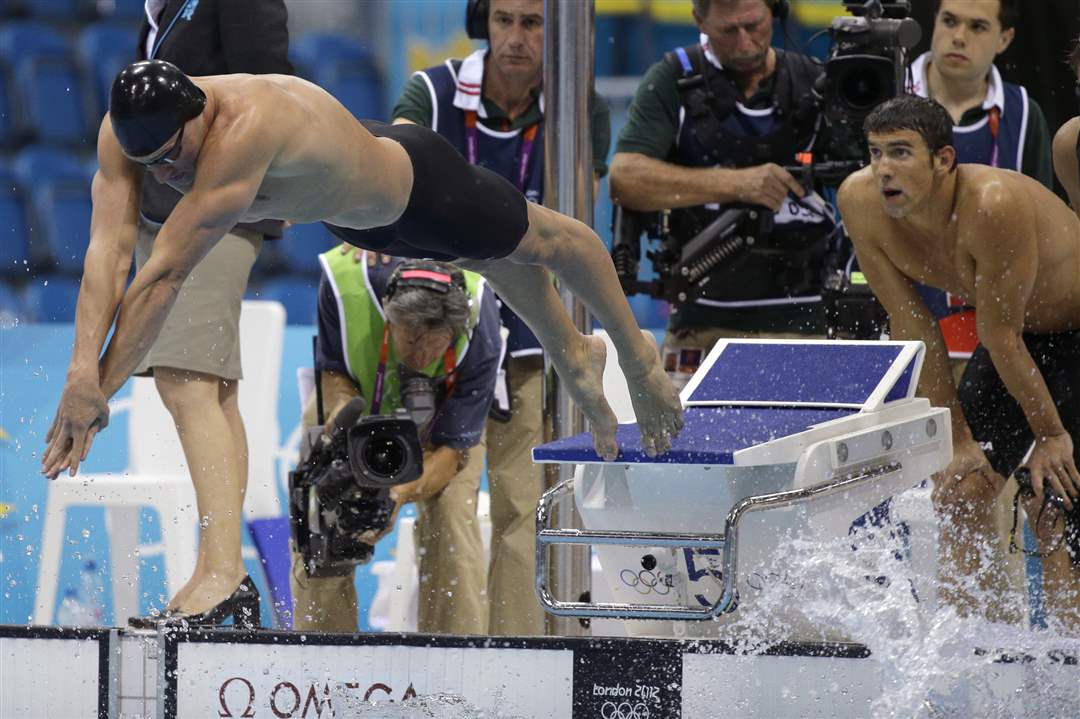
{"type": "Point", "coordinates": [418, 336]}
{"type": "Point", "coordinates": [715, 138]}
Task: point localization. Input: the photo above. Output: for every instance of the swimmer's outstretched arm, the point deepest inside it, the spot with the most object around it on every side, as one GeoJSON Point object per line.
{"type": "Point", "coordinates": [196, 224]}
{"type": "Point", "coordinates": [224, 190]}
{"type": "Point", "coordinates": [83, 409]}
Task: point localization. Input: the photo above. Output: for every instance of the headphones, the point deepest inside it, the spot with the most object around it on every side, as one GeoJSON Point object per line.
{"type": "Point", "coordinates": [438, 277]}
{"type": "Point", "coordinates": [476, 19]}
{"type": "Point", "coordinates": [780, 9]}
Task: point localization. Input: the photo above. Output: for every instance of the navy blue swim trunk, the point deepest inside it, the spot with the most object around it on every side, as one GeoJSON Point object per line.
{"type": "Point", "coordinates": [456, 210]}
{"type": "Point", "coordinates": [996, 419]}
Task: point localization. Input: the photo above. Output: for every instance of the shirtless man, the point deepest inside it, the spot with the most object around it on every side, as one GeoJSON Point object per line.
{"type": "Point", "coordinates": [1067, 143]}
{"type": "Point", "coordinates": [248, 147]}
{"type": "Point", "coordinates": [1012, 249]}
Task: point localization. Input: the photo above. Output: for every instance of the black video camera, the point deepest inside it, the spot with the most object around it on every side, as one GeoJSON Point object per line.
{"type": "Point", "coordinates": [866, 65]}
{"type": "Point", "coordinates": [341, 489]}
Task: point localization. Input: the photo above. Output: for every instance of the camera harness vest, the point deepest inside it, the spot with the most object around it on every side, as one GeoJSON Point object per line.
{"type": "Point", "coordinates": [361, 318]}
{"type": "Point", "coordinates": [716, 131]}
{"type": "Point", "coordinates": [709, 97]}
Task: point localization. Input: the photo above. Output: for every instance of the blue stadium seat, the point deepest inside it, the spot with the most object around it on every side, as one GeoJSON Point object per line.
{"type": "Point", "coordinates": [302, 245]}
{"type": "Point", "coordinates": [103, 48]}
{"type": "Point", "coordinates": [297, 294]}
{"type": "Point", "coordinates": [22, 39]}
{"type": "Point", "coordinates": [12, 307]}
{"type": "Point", "coordinates": [126, 10]}
{"type": "Point", "coordinates": [60, 10]}
{"type": "Point", "coordinates": [52, 99]}
{"type": "Point", "coordinates": [52, 298]}
{"type": "Point", "coordinates": [35, 164]}
{"type": "Point", "coordinates": [318, 47]}
{"type": "Point", "coordinates": [63, 210]}
{"type": "Point", "coordinates": [15, 242]}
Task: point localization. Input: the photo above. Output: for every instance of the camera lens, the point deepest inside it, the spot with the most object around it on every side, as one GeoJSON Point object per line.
{"type": "Point", "coordinates": [384, 456]}
{"type": "Point", "coordinates": [863, 89]}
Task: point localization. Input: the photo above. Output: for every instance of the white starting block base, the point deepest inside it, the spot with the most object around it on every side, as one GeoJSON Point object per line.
{"type": "Point", "coordinates": [292, 674]}
{"type": "Point", "coordinates": [785, 441]}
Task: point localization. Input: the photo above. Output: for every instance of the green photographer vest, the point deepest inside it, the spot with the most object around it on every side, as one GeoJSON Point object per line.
{"type": "Point", "coordinates": [363, 323]}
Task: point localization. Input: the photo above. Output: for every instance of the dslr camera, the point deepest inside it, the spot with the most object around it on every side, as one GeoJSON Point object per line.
{"type": "Point", "coordinates": [340, 490]}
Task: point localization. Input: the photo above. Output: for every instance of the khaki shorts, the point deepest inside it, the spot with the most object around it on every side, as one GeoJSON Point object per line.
{"type": "Point", "coordinates": [202, 331]}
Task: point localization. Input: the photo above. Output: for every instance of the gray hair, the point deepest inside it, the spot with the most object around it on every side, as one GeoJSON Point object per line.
{"type": "Point", "coordinates": [421, 307]}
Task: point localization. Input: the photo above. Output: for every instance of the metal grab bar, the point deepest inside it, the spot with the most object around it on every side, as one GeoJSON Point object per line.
{"type": "Point", "coordinates": [728, 542]}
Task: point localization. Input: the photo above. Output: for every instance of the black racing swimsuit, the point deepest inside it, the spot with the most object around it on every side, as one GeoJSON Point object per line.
{"type": "Point", "coordinates": [456, 210]}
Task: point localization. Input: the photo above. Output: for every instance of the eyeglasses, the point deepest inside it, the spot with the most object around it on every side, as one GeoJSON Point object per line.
{"type": "Point", "coordinates": [169, 156]}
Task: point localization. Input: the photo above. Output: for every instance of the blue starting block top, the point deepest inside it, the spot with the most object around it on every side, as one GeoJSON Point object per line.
{"type": "Point", "coordinates": [817, 374]}
{"type": "Point", "coordinates": [748, 392]}
{"type": "Point", "coordinates": [710, 435]}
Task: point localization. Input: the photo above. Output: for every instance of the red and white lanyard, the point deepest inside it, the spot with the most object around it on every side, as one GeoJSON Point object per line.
{"type": "Point", "coordinates": [472, 147]}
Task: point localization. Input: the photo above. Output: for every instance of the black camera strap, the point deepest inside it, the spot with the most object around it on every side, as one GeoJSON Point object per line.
{"type": "Point", "coordinates": [320, 412]}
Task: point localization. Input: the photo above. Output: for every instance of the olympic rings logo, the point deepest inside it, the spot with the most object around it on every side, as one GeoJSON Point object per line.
{"type": "Point", "coordinates": [623, 710]}
{"type": "Point", "coordinates": [646, 581]}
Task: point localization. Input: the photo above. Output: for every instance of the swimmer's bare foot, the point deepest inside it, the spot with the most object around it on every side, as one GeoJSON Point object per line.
{"type": "Point", "coordinates": [582, 373]}
{"type": "Point", "coordinates": [656, 402]}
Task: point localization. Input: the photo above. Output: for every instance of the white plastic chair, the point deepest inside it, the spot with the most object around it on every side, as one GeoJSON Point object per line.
{"type": "Point", "coordinates": [157, 475]}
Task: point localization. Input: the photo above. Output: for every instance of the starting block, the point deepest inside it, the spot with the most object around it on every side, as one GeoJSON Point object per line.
{"type": "Point", "coordinates": [782, 440]}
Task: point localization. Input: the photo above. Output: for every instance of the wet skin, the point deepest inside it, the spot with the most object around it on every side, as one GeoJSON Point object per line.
{"type": "Point", "coordinates": [994, 237]}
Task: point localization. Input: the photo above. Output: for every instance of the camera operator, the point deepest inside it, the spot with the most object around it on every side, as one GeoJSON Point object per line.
{"type": "Point", "coordinates": [712, 125]}
{"type": "Point", "coordinates": [381, 329]}
{"type": "Point", "coordinates": [1067, 142]}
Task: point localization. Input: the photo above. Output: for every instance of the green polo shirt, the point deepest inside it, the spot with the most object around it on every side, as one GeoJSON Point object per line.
{"type": "Point", "coordinates": [415, 105]}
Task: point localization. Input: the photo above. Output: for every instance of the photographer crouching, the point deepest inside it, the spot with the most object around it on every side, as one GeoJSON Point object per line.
{"type": "Point", "coordinates": [712, 126]}
{"type": "Point", "coordinates": [418, 343]}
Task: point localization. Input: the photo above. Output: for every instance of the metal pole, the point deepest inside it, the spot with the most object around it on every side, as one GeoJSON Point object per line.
{"type": "Point", "coordinates": [568, 82]}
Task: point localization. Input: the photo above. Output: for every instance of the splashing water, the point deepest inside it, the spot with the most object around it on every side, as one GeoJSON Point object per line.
{"type": "Point", "coordinates": [434, 706]}
{"type": "Point", "coordinates": [932, 662]}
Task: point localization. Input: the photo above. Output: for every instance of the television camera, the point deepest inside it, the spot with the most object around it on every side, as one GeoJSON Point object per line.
{"type": "Point", "coordinates": [340, 491]}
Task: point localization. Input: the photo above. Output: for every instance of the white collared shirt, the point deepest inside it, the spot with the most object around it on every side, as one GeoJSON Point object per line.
{"type": "Point", "coordinates": [153, 10]}
{"type": "Point", "coordinates": [920, 85]}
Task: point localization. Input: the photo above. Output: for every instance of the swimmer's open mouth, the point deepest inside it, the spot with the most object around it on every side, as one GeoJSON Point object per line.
{"type": "Point", "coordinates": [891, 193]}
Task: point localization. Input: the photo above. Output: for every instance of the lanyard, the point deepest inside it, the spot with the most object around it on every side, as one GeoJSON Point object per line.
{"type": "Point", "coordinates": [472, 149]}
{"type": "Point", "coordinates": [449, 362]}
{"type": "Point", "coordinates": [995, 125]}
{"type": "Point", "coordinates": [161, 35]}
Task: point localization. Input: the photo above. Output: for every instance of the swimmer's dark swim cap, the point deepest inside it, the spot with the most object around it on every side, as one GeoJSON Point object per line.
{"type": "Point", "coordinates": [149, 102]}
